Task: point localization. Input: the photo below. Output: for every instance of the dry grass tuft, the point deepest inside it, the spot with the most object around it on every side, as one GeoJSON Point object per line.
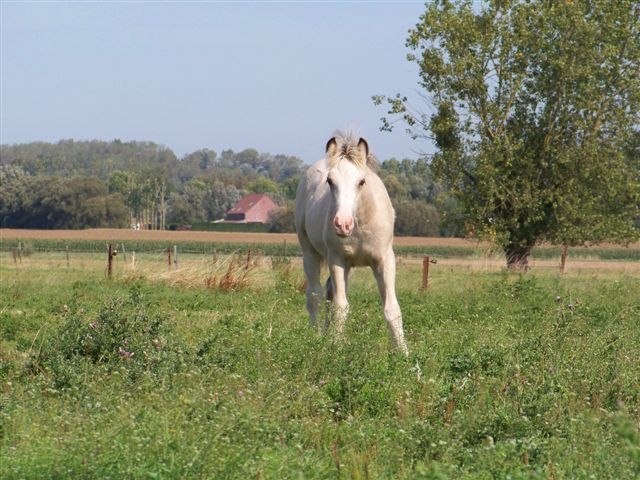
{"type": "Point", "coordinates": [236, 275]}
{"type": "Point", "coordinates": [226, 273]}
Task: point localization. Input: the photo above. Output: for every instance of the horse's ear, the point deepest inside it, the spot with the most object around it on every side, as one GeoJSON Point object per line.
{"type": "Point", "coordinates": [363, 146]}
{"type": "Point", "coordinates": [332, 146]}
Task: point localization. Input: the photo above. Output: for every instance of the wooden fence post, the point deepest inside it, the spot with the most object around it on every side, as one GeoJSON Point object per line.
{"type": "Point", "coordinates": [109, 259]}
{"type": "Point", "coordinates": [169, 257]}
{"type": "Point", "coordinates": [563, 258]}
{"type": "Point", "coordinates": [17, 254]}
{"type": "Point", "coordinates": [175, 256]}
{"type": "Point", "coordinates": [246, 267]}
{"type": "Point", "coordinates": [425, 273]}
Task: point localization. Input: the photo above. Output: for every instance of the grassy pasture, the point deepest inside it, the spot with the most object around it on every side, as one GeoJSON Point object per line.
{"type": "Point", "coordinates": [210, 370]}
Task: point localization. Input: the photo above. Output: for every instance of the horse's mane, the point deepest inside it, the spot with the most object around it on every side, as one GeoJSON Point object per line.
{"type": "Point", "coordinates": [347, 147]}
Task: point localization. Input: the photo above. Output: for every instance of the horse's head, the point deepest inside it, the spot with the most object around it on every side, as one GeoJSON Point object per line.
{"type": "Point", "coordinates": [347, 162]}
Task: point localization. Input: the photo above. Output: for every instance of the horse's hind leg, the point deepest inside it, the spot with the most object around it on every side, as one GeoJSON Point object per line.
{"type": "Point", "coordinates": [312, 264]}
{"type": "Point", "coordinates": [329, 296]}
{"type": "Point", "coordinates": [329, 289]}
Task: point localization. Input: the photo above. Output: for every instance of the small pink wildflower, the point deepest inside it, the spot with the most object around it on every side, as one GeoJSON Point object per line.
{"type": "Point", "coordinates": [123, 353]}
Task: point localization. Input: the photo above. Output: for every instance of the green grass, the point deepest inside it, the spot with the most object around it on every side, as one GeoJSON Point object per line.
{"type": "Point", "coordinates": [145, 376]}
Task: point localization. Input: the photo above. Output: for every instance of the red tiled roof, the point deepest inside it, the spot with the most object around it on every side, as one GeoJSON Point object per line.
{"type": "Point", "coordinates": [251, 208]}
{"type": "Point", "coordinates": [246, 202]}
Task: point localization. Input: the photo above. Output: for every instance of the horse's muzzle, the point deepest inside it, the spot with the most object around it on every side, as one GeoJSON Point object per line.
{"type": "Point", "coordinates": [343, 226]}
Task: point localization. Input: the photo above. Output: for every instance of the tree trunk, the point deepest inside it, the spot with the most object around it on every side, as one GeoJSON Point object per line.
{"type": "Point", "coordinates": [517, 256]}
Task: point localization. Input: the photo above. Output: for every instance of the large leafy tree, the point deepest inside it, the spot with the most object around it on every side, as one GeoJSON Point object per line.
{"type": "Point", "coordinates": [535, 108]}
{"type": "Point", "coordinates": [53, 202]}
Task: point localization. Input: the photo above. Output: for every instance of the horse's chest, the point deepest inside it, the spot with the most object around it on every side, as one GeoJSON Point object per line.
{"type": "Point", "coordinates": [349, 251]}
{"type": "Point", "coordinates": [354, 251]}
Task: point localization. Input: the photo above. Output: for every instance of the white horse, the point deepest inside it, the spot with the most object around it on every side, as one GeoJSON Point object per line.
{"type": "Point", "coordinates": [344, 216]}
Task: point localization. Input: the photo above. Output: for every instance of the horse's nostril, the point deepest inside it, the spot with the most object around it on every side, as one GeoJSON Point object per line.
{"type": "Point", "coordinates": [343, 224]}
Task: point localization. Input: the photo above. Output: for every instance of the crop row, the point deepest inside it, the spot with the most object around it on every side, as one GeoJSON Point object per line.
{"type": "Point", "coordinates": [288, 249]}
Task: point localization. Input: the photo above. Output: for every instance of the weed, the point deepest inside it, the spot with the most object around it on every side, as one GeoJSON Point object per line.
{"type": "Point", "coordinates": [123, 334]}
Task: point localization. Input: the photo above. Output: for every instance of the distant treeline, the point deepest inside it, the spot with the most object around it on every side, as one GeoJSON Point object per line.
{"type": "Point", "coordinates": [84, 184]}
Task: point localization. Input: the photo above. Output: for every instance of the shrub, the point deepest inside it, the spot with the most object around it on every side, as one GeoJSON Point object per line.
{"type": "Point", "coordinates": [124, 333]}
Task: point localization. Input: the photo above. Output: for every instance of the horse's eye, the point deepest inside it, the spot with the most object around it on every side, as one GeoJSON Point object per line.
{"type": "Point", "coordinates": [361, 183]}
{"type": "Point", "coordinates": [329, 181]}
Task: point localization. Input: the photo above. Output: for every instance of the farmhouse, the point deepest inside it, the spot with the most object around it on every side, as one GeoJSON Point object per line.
{"type": "Point", "coordinates": [251, 208]}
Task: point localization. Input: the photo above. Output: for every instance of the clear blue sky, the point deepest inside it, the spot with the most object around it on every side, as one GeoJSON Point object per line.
{"type": "Point", "coordinates": [279, 77]}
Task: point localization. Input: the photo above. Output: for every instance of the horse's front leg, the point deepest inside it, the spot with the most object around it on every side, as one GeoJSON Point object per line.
{"type": "Point", "coordinates": [385, 273]}
{"type": "Point", "coordinates": [340, 304]}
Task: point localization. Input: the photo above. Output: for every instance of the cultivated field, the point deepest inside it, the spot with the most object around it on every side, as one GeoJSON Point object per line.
{"type": "Point", "coordinates": [108, 234]}
{"type": "Point", "coordinates": [208, 369]}
{"type": "Point", "coordinates": [448, 251]}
